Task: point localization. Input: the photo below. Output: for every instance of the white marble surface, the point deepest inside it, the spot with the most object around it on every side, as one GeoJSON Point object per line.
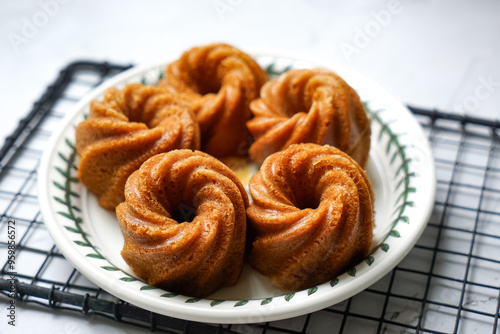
{"type": "Point", "coordinates": [428, 53]}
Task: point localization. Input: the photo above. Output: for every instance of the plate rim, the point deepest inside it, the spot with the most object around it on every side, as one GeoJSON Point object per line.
{"type": "Point", "coordinates": [221, 315]}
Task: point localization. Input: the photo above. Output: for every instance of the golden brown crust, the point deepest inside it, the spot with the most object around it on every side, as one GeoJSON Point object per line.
{"type": "Point", "coordinates": [193, 258]}
{"type": "Point", "coordinates": [219, 82]}
{"type": "Point", "coordinates": [309, 106]}
{"type": "Point", "coordinates": [312, 214]}
{"type": "Point", "coordinates": [123, 130]}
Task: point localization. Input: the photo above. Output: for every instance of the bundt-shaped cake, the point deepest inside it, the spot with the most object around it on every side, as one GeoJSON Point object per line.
{"type": "Point", "coordinates": [219, 81]}
{"type": "Point", "coordinates": [309, 106]}
{"type": "Point", "coordinates": [312, 215]}
{"type": "Point", "coordinates": [184, 223]}
{"type": "Point", "coordinates": [123, 130]}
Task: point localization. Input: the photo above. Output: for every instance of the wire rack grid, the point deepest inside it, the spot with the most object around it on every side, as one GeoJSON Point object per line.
{"type": "Point", "coordinates": [448, 283]}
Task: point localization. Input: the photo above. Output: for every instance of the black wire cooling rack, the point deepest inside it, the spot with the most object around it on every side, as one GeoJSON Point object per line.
{"type": "Point", "coordinates": [448, 283]}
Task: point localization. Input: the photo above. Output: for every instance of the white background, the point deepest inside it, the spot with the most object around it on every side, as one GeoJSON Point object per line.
{"type": "Point", "coordinates": [428, 53]}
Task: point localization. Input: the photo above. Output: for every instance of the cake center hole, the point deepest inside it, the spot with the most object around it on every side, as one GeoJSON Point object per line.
{"type": "Point", "coordinates": [207, 81]}
{"type": "Point", "coordinates": [184, 213]}
{"type": "Point", "coordinates": [307, 203]}
{"type": "Point", "coordinates": [208, 87]}
{"type": "Point", "coordinates": [138, 117]}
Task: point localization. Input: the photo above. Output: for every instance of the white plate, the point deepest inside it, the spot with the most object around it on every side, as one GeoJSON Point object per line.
{"type": "Point", "coordinates": [400, 168]}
